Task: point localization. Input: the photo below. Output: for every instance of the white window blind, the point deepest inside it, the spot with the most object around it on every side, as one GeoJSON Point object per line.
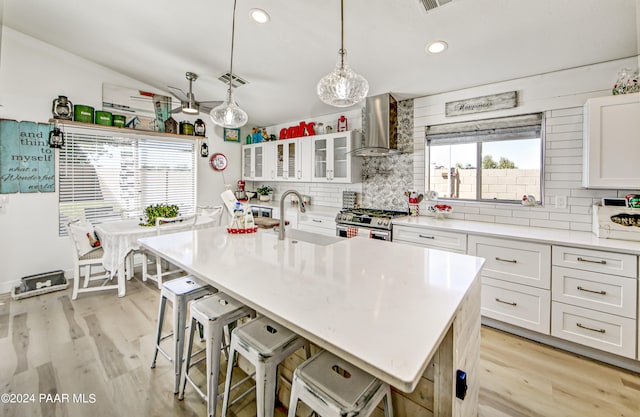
{"type": "Point", "coordinates": [106, 176]}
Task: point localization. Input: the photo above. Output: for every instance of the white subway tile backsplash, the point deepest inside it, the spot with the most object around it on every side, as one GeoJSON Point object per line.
{"type": "Point", "coordinates": [550, 224]}
{"type": "Point", "coordinates": [480, 218]}
{"type": "Point", "coordinates": [521, 221]}
{"type": "Point", "coordinates": [581, 227]}
{"type": "Point", "coordinates": [570, 217]}
{"type": "Point", "coordinates": [526, 213]}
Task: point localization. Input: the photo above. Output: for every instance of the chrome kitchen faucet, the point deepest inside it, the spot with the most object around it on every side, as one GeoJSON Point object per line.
{"type": "Point", "coordinates": [282, 222]}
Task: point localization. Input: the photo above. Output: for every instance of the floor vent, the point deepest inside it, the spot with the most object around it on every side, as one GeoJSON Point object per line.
{"type": "Point", "coordinates": [236, 82]}
{"type": "Point", "coordinates": [432, 4]}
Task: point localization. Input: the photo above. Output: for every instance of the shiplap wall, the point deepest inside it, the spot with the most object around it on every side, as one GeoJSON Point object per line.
{"type": "Point", "coordinates": [561, 96]}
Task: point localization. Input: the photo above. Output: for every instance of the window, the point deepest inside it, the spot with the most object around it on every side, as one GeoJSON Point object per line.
{"type": "Point", "coordinates": [497, 160]}
{"type": "Point", "coordinates": [105, 176]}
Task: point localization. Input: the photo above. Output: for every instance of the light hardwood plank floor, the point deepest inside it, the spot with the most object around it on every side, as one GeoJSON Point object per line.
{"type": "Point", "coordinates": [99, 349]}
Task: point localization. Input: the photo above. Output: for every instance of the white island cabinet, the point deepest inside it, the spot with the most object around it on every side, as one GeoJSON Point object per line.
{"type": "Point", "coordinates": [412, 327]}
{"type": "Point", "coordinates": [612, 142]}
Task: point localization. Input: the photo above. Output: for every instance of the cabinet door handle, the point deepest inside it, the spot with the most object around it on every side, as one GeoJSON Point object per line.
{"type": "Point", "coordinates": [602, 262]}
{"type": "Point", "coordinates": [602, 292]}
{"type": "Point", "coordinates": [426, 237]}
{"type": "Point", "coordinates": [580, 325]}
{"type": "Point", "coordinates": [506, 302]}
{"type": "Point", "coordinates": [512, 261]}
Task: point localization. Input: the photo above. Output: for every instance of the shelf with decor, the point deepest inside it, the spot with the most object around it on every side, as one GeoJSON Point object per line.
{"type": "Point", "coordinates": [126, 130]}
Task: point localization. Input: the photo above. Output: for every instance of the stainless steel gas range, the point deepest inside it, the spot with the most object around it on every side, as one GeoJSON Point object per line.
{"type": "Point", "coordinates": [372, 223]}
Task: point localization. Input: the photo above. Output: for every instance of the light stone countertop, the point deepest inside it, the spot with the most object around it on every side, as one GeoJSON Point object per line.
{"type": "Point", "coordinates": [538, 234]}
{"type": "Point", "coordinates": [383, 307]}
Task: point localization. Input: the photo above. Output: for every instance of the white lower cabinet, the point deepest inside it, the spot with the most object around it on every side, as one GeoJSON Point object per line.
{"type": "Point", "coordinates": [317, 223]}
{"type": "Point", "coordinates": [516, 304]}
{"type": "Point", "coordinates": [430, 238]}
{"type": "Point", "coordinates": [592, 328]}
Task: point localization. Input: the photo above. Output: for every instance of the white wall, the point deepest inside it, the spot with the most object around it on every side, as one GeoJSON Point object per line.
{"type": "Point", "coordinates": [561, 96]}
{"type": "Point", "coordinates": [32, 74]}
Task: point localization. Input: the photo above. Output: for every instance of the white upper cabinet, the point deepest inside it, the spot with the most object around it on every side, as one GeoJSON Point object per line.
{"type": "Point", "coordinates": [293, 159]}
{"type": "Point", "coordinates": [331, 158]}
{"type": "Point", "coordinates": [258, 161]}
{"type": "Point", "coordinates": [612, 142]}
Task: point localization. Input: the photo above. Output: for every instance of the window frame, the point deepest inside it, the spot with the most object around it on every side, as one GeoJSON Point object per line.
{"type": "Point", "coordinates": [466, 130]}
{"type": "Point", "coordinates": [78, 193]}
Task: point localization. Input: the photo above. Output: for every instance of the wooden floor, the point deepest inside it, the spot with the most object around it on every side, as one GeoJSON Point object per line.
{"type": "Point", "coordinates": [97, 351]}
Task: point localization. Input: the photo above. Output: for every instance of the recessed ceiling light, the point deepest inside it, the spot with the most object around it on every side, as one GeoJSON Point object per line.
{"type": "Point", "coordinates": [437, 47]}
{"type": "Point", "coordinates": [259, 15]}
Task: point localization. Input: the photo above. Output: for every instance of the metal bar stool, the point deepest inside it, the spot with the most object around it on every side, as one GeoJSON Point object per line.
{"type": "Point", "coordinates": [332, 387]}
{"type": "Point", "coordinates": [213, 313]}
{"type": "Point", "coordinates": [178, 292]}
{"type": "Point", "coordinates": [264, 343]}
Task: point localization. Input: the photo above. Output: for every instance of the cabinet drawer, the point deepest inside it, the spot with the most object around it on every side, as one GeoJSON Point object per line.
{"type": "Point", "coordinates": [602, 331]}
{"type": "Point", "coordinates": [316, 221]}
{"type": "Point", "coordinates": [429, 238]}
{"type": "Point", "coordinates": [596, 261]}
{"type": "Point", "coordinates": [607, 293]}
{"type": "Point", "coordinates": [516, 304]}
{"type": "Point", "coordinates": [515, 261]}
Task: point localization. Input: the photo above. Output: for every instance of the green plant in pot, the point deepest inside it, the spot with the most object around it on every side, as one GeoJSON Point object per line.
{"type": "Point", "coordinates": [159, 210]}
{"type": "Point", "coordinates": [264, 192]}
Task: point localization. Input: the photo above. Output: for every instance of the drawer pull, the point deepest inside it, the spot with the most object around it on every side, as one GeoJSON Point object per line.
{"type": "Point", "coordinates": [506, 302]}
{"type": "Point", "coordinates": [513, 261]}
{"type": "Point", "coordinates": [602, 262]}
{"type": "Point", "coordinates": [427, 237]}
{"type": "Point", "coordinates": [580, 325]}
{"type": "Point", "coordinates": [316, 220]}
{"type": "Point", "coordinates": [602, 292]}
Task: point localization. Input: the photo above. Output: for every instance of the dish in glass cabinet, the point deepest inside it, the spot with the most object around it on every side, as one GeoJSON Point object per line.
{"type": "Point", "coordinates": [218, 162]}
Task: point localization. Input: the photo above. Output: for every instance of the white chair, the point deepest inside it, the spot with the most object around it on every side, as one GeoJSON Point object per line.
{"type": "Point", "coordinates": [163, 226]}
{"type": "Point", "coordinates": [85, 256]}
{"type": "Point", "coordinates": [332, 387]}
{"type": "Point", "coordinates": [209, 216]}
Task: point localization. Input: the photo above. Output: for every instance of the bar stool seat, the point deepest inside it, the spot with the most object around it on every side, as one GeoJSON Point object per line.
{"type": "Point", "coordinates": [179, 292]}
{"type": "Point", "coordinates": [332, 387]}
{"type": "Point", "coordinates": [264, 343]}
{"type": "Point", "coordinates": [213, 313]}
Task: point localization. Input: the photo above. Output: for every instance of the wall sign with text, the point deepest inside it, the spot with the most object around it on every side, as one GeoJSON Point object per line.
{"type": "Point", "coordinates": [482, 104]}
{"type": "Point", "coordinates": [26, 160]}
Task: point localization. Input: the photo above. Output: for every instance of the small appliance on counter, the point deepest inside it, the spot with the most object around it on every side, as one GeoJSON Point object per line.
{"type": "Point", "coordinates": [241, 194]}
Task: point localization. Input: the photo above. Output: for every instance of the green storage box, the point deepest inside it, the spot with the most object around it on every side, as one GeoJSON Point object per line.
{"type": "Point", "coordinates": [83, 113]}
{"type": "Point", "coordinates": [104, 118]}
{"type": "Point", "coordinates": [119, 120]}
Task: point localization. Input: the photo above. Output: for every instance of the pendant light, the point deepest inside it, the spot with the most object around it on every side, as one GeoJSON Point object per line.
{"type": "Point", "coordinates": [228, 114]}
{"type": "Point", "coordinates": [342, 87]}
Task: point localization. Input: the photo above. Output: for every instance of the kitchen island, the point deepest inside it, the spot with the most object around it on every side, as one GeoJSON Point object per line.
{"type": "Point", "coordinates": [399, 312]}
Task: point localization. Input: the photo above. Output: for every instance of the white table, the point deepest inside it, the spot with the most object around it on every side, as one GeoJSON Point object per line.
{"type": "Point", "coordinates": [118, 238]}
{"type": "Point", "coordinates": [384, 307]}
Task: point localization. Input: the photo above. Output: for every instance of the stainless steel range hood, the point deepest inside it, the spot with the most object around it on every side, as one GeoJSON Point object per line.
{"type": "Point", "coordinates": [380, 127]}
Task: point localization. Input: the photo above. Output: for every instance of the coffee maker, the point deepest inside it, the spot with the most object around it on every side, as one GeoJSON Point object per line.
{"type": "Point", "coordinates": [241, 193]}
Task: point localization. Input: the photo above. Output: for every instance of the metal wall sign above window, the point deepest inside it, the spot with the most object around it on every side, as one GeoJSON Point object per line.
{"type": "Point", "coordinates": [481, 104]}
{"type": "Point", "coordinates": [491, 160]}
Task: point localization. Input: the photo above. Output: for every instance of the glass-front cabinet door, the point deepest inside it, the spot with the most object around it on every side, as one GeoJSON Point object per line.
{"type": "Point", "coordinates": [258, 164]}
{"type": "Point", "coordinates": [286, 159]}
{"type": "Point", "coordinates": [341, 159]}
{"type": "Point", "coordinates": [257, 161]}
{"type": "Point", "coordinates": [320, 159]}
{"type": "Point", "coordinates": [247, 163]}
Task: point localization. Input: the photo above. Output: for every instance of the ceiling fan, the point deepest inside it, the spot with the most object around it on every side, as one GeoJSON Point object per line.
{"type": "Point", "coordinates": [188, 102]}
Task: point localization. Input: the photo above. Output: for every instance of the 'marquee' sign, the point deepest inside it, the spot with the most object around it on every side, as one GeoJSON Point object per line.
{"type": "Point", "coordinates": [26, 160]}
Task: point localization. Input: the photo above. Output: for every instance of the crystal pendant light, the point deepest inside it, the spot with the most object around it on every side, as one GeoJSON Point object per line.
{"type": "Point", "coordinates": [228, 114]}
{"type": "Point", "coordinates": [342, 87]}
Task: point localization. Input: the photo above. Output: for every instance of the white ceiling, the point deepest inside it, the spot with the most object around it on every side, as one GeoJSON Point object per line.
{"type": "Point", "coordinates": [157, 41]}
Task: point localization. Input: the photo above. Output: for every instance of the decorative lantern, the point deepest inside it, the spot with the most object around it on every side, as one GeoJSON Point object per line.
{"type": "Point", "coordinates": [204, 149]}
{"type": "Point", "coordinates": [199, 128]}
{"type": "Point", "coordinates": [56, 137]}
{"type": "Point", "coordinates": [62, 108]}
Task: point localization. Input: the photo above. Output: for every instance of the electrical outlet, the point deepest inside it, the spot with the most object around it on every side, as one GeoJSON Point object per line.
{"type": "Point", "coordinates": [561, 202]}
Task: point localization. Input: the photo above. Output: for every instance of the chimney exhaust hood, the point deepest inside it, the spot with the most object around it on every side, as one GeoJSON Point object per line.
{"type": "Point", "coordinates": [380, 127]}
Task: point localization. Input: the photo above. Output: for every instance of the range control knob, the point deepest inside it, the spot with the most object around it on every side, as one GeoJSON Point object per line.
{"type": "Point", "coordinates": [379, 221]}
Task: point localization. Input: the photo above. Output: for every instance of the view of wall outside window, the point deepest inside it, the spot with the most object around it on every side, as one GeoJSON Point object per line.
{"type": "Point", "coordinates": [479, 168]}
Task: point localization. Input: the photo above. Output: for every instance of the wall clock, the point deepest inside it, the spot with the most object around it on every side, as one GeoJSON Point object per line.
{"type": "Point", "coordinates": [218, 162]}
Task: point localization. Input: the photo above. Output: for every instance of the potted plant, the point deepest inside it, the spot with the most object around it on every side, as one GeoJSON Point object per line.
{"type": "Point", "coordinates": [264, 192]}
{"type": "Point", "coordinates": [159, 210]}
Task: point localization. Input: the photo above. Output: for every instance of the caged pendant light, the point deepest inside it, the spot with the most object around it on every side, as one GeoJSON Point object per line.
{"type": "Point", "coordinates": [342, 87]}
{"type": "Point", "coordinates": [228, 114]}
